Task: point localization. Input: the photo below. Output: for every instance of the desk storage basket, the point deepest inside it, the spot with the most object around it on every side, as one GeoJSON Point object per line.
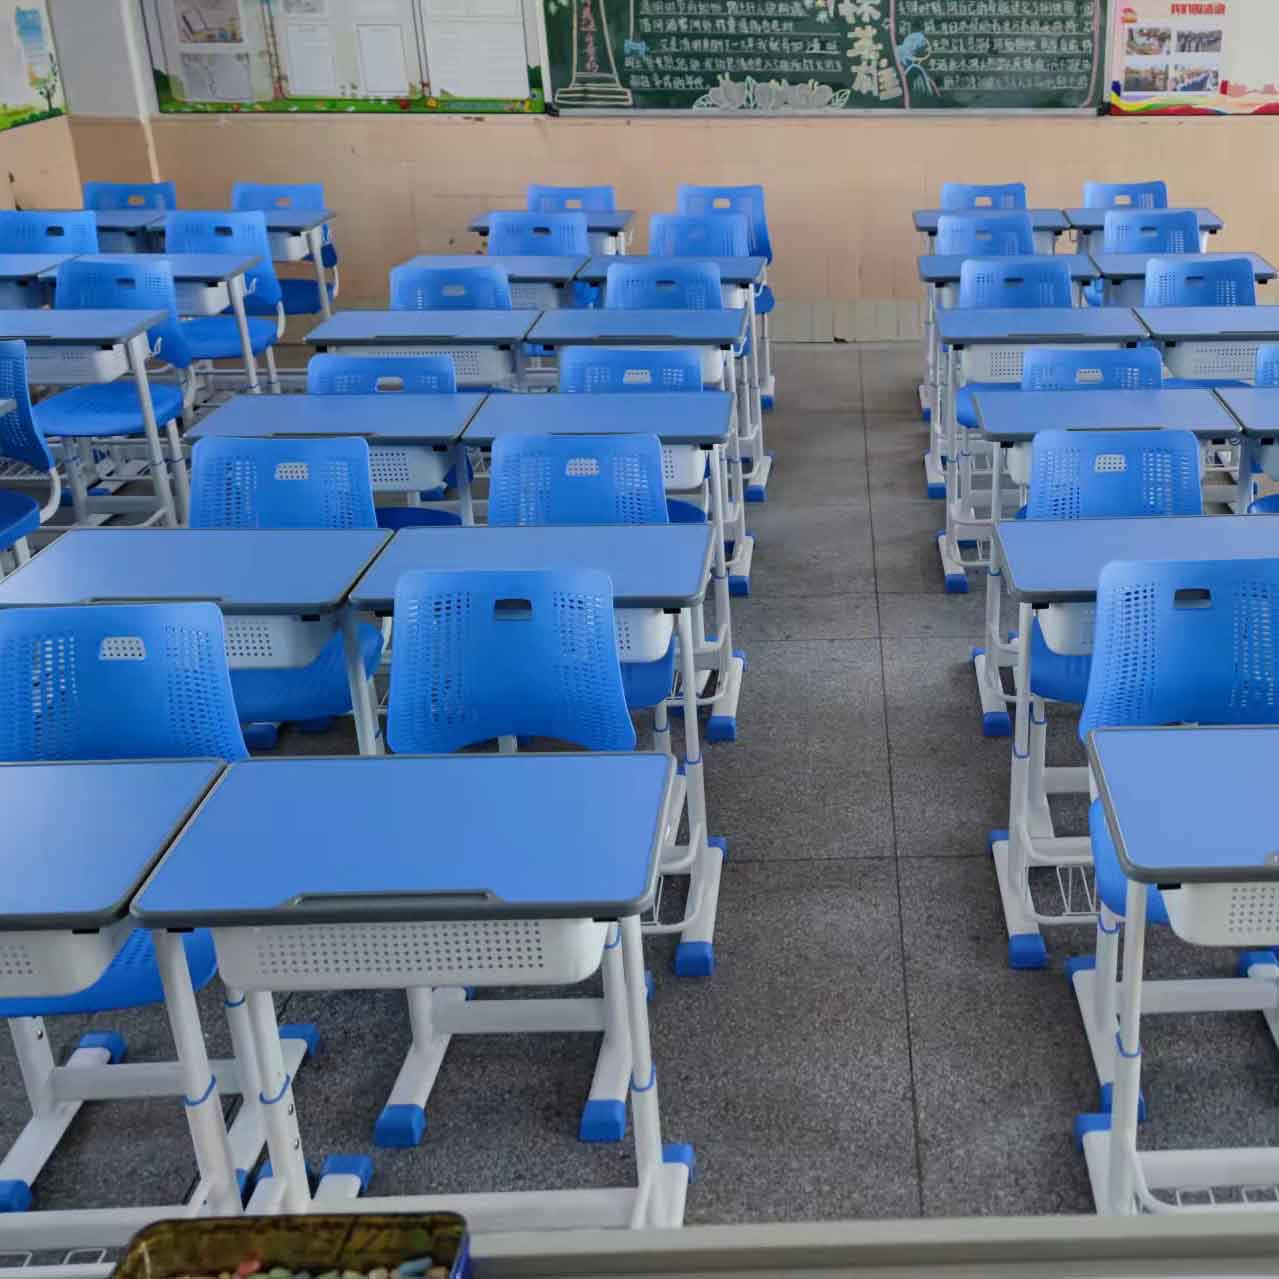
{"type": "Point", "coordinates": [643, 634]}
{"type": "Point", "coordinates": [1068, 628]}
{"type": "Point", "coordinates": [197, 298]}
{"type": "Point", "coordinates": [57, 962]}
{"type": "Point", "coordinates": [1244, 914]}
{"type": "Point", "coordinates": [405, 468]}
{"type": "Point", "coordinates": [536, 295]}
{"type": "Point", "coordinates": [268, 641]}
{"type": "Point", "coordinates": [1212, 359]}
{"type": "Point", "coordinates": [683, 467]}
{"type": "Point", "coordinates": [287, 246]}
{"type": "Point", "coordinates": [71, 365]}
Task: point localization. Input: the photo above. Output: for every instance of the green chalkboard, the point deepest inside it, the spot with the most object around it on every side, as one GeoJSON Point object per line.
{"type": "Point", "coordinates": [788, 56]}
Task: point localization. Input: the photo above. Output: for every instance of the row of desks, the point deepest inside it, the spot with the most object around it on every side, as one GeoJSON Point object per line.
{"type": "Point", "coordinates": [945, 268]}
{"type": "Point", "coordinates": [959, 327]}
{"type": "Point", "coordinates": [1055, 220]}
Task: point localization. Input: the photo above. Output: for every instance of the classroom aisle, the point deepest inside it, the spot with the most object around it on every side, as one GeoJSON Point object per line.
{"type": "Point", "coordinates": [863, 1050]}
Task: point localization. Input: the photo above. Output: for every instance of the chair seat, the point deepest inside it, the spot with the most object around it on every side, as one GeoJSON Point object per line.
{"type": "Point", "coordinates": [966, 410]}
{"type": "Point", "coordinates": [679, 511]}
{"type": "Point", "coordinates": [216, 337]}
{"type": "Point", "coordinates": [1060, 677]}
{"type": "Point", "coordinates": [132, 980]}
{"type": "Point", "coordinates": [396, 517]}
{"type": "Point", "coordinates": [19, 515]}
{"type": "Point", "coordinates": [301, 297]}
{"type": "Point", "coordinates": [317, 691]}
{"type": "Point", "coordinates": [764, 300]}
{"type": "Point", "coordinates": [1112, 883]}
{"type": "Point", "coordinates": [105, 409]}
{"type": "Point", "coordinates": [1265, 505]}
{"type": "Point", "coordinates": [1200, 384]}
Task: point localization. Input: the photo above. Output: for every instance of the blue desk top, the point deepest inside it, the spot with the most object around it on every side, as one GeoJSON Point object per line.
{"type": "Point", "coordinates": [652, 565]}
{"type": "Point", "coordinates": [640, 328]}
{"type": "Point", "coordinates": [528, 268]}
{"type": "Point", "coordinates": [945, 268]}
{"type": "Point", "coordinates": [1255, 408]}
{"type": "Point", "coordinates": [1040, 219]}
{"type": "Point", "coordinates": [290, 571]}
{"type": "Point", "coordinates": [1132, 266]}
{"type": "Point", "coordinates": [212, 267]}
{"type": "Point", "coordinates": [386, 417]}
{"type": "Point", "coordinates": [1010, 416]}
{"type": "Point", "coordinates": [1000, 326]}
{"type": "Point", "coordinates": [1231, 323]}
{"type": "Point", "coordinates": [731, 270]}
{"type": "Point", "coordinates": [26, 266]}
{"type": "Point", "coordinates": [1095, 219]}
{"type": "Point", "coordinates": [1059, 561]}
{"type": "Point", "coordinates": [82, 837]}
{"type": "Point", "coordinates": [431, 328]}
{"type": "Point", "coordinates": [286, 220]}
{"type": "Point", "coordinates": [77, 328]}
{"type": "Point", "coordinates": [674, 417]}
{"type": "Point", "coordinates": [337, 840]}
{"type": "Point", "coordinates": [604, 221]}
{"type": "Point", "coordinates": [1151, 782]}
{"type": "Point", "coordinates": [129, 219]}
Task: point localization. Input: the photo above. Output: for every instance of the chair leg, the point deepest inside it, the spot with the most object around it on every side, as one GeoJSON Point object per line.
{"type": "Point", "coordinates": [272, 373]}
{"type": "Point", "coordinates": [178, 465]}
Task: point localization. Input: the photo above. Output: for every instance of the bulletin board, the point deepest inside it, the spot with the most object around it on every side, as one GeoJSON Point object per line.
{"type": "Point", "coordinates": [30, 79]}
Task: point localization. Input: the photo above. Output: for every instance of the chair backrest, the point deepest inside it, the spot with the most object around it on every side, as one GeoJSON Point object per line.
{"type": "Point", "coordinates": [304, 483]}
{"type": "Point", "coordinates": [381, 375]}
{"type": "Point", "coordinates": [539, 234]}
{"type": "Point", "coordinates": [127, 282]}
{"type": "Point", "coordinates": [985, 235]}
{"type": "Point", "coordinates": [577, 479]}
{"type": "Point", "coordinates": [130, 195]}
{"type": "Point", "coordinates": [1047, 368]}
{"type": "Point", "coordinates": [1267, 366]}
{"type": "Point", "coordinates": [710, 235]}
{"type": "Point", "coordinates": [285, 195]}
{"type": "Point", "coordinates": [1118, 195]}
{"type": "Point", "coordinates": [1079, 475]}
{"type": "Point", "coordinates": [1015, 282]}
{"type": "Point", "coordinates": [1151, 231]}
{"type": "Point", "coordinates": [23, 232]}
{"type": "Point", "coordinates": [1200, 282]}
{"type": "Point", "coordinates": [594, 368]}
{"type": "Point", "coordinates": [20, 436]}
{"type": "Point", "coordinates": [116, 681]}
{"type": "Point", "coordinates": [452, 288]}
{"type": "Point", "coordinates": [548, 199]}
{"type": "Point", "coordinates": [485, 655]}
{"type": "Point", "coordinates": [743, 199]}
{"type": "Point", "coordinates": [1180, 642]}
{"type": "Point", "coordinates": [673, 286]}
{"type": "Point", "coordinates": [243, 233]}
{"type": "Point", "coordinates": [991, 195]}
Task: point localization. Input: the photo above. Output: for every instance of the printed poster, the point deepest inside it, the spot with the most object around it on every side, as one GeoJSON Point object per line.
{"type": "Point", "coordinates": [30, 80]}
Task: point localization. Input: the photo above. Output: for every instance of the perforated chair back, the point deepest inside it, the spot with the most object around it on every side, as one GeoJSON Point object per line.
{"type": "Point", "coordinates": [668, 286]}
{"type": "Point", "coordinates": [261, 484]}
{"type": "Point", "coordinates": [1016, 282]}
{"type": "Point", "coordinates": [1151, 231]}
{"type": "Point", "coordinates": [743, 199]}
{"type": "Point", "coordinates": [243, 233]}
{"type": "Point", "coordinates": [23, 232]}
{"type": "Point", "coordinates": [454, 288]}
{"type": "Point", "coordinates": [1117, 195]}
{"type": "Point", "coordinates": [107, 681]}
{"type": "Point", "coordinates": [130, 282]}
{"type": "Point", "coordinates": [590, 368]}
{"type": "Point", "coordinates": [20, 437]}
{"type": "Point", "coordinates": [130, 195]}
{"type": "Point", "coordinates": [1200, 282]}
{"type": "Point", "coordinates": [999, 195]}
{"type": "Point", "coordinates": [285, 195]}
{"type": "Point", "coordinates": [1079, 475]}
{"type": "Point", "coordinates": [539, 234]}
{"type": "Point", "coordinates": [985, 235]}
{"type": "Point", "coordinates": [550, 199]}
{"type": "Point", "coordinates": [1046, 368]}
{"type": "Point", "coordinates": [485, 655]}
{"type": "Point", "coordinates": [1267, 366]}
{"type": "Point", "coordinates": [1181, 642]}
{"type": "Point", "coordinates": [577, 479]}
{"type": "Point", "coordinates": [381, 375]}
{"type": "Point", "coordinates": [712, 235]}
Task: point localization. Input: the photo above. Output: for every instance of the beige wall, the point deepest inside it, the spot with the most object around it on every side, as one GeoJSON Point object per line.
{"type": "Point", "coordinates": [38, 167]}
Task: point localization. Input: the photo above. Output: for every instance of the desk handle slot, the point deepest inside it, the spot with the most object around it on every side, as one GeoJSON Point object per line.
{"type": "Point", "coordinates": [391, 899]}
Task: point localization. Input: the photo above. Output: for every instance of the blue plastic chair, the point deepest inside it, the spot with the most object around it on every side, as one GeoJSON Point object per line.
{"type": "Point", "coordinates": [985, 235]}
{"type": "Point", "coordinates": [595, 369]}
{"type": "Point", "coordinates": [956, 196]}
{"type": "Point", "coordinates": [748, 200]}
{"type": "Point", "coordinates": [1200, 282]}
{"type": "Point", "coordinates": [1116, 195]}
{"type": "Point", "coordinates": [1136, 368]}
{"type": "Point", "coordinates": [1267, 366]}
{"type": "Point", "coordinates": [1080, 475]}
{"type": "Point", "coordinates": [22, 440]}
{"type": "Point", "coordinates": [479, 656]}
{"type": "Point", "coordinates": [711, 235]}
{"type": "Point", "coordinates": [381, 375]}
{"type": "Point", "coordinates": [539, 234]}
{"type": "Point", "coordinates": [311, 483]}
{"type": "Point", "coordinates": [673, 286]}
{"type": "Point", "coordinates": [34, 232]}
{"type": "Point", "coordinates": [552, 199]}
{"type": "Point", "coordinates": [301, 296]}
{"type": "Point", "coordinates": [103, 196]}
{"type": "Point", "coordinates": [1151, 231]}
{"type": "Point", "coordinates": [460, 288]}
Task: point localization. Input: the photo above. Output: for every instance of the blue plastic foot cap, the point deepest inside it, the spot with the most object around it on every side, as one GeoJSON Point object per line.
{"type": "Point", "coordinates": [108, 1039]}
{"type": "Point", "coordinates": [996, 724]}
{"type": "Point", "coordinates": [996, 836]}
{"type": "Point", "coordinates": [756, 493]}
{"type": "Point", "coordinates": [359, 1166]}
{"type": "Point", "coordinates": [766, 403]}
{"type": "Point", "coordinates": [966, 544]}
{"type": "Point", "coordinates": [1248, 958]}
{"type": "Point", "coordinates": [400, 1127]}
{"type": "Point", "coordinates": [15, 1196]}
{"type": "Point", "coordinates": [975, 653]}
{"type": "Point", "coordinates": [739, 586]}
{"type": "Point", "coordinates": [603, 1121]}
{"type": "Point", "coordinates": [307, 1031]}
{"type": "Point", "coordinates": [926, 414]}
{"type": "Point", "coordinates": [321, 725]}
{"type": "Point", "coordinates": [1084, 1124]}
{"type": "Point", "coordinates": [720, 842]}
{"type": "Point", "coordinates": [722, 728]}
{"type": "Point", "coordinates": [936, 492]}
{"type": "Point", "coordinates": [680, 1152]}
{"type": "Point", "coordinates": [242, 1184]}
{"type": "Point", "coordinates": [1080, 964]}
{"type": "Point", "coordinates": [956, 584]}
{"type": "Point", "coordinates": [1027, 950]}
{"type": "Point", "coordinates": [650, 984]}
{"type": "Point", "coordinates": [694, 959]}
{"type": "Point", "coordinates": [261, 737]}
{"type": "Point", "coordinates": [1107, 1095]}
{"type": "Point", "coordinates": [740, 654]}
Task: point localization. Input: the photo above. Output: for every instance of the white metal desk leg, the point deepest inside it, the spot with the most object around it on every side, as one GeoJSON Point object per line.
{"type": "Point", "coordinates": [200, 1088]}
{"type": "Point", "coordinates": [757, 488]}
{"type": "Point", "coordinates": [1247, 455]}
{"type": "Point", "coordinates": [368, 732]}
{"type": "Point", "coordinates": [284, 1141]}
{"type": "Point", "coordinates": [236, 284]}
{"type": "Point", "coordinates": [315, 244]}
{"type": "Point", "coordinates": [139, 351]}
{"type": "Point", "coordinates": [730, 664]}
{"type": "Point", "coordinates": [767, 385]}
{"type": "Point", "coordinates": [462, 470]}
{"type": "Point", "coordinates": [990, 687]}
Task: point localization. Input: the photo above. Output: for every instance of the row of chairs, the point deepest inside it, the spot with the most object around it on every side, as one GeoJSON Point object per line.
{"type": "Point", "coordinates": [958, 196]}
